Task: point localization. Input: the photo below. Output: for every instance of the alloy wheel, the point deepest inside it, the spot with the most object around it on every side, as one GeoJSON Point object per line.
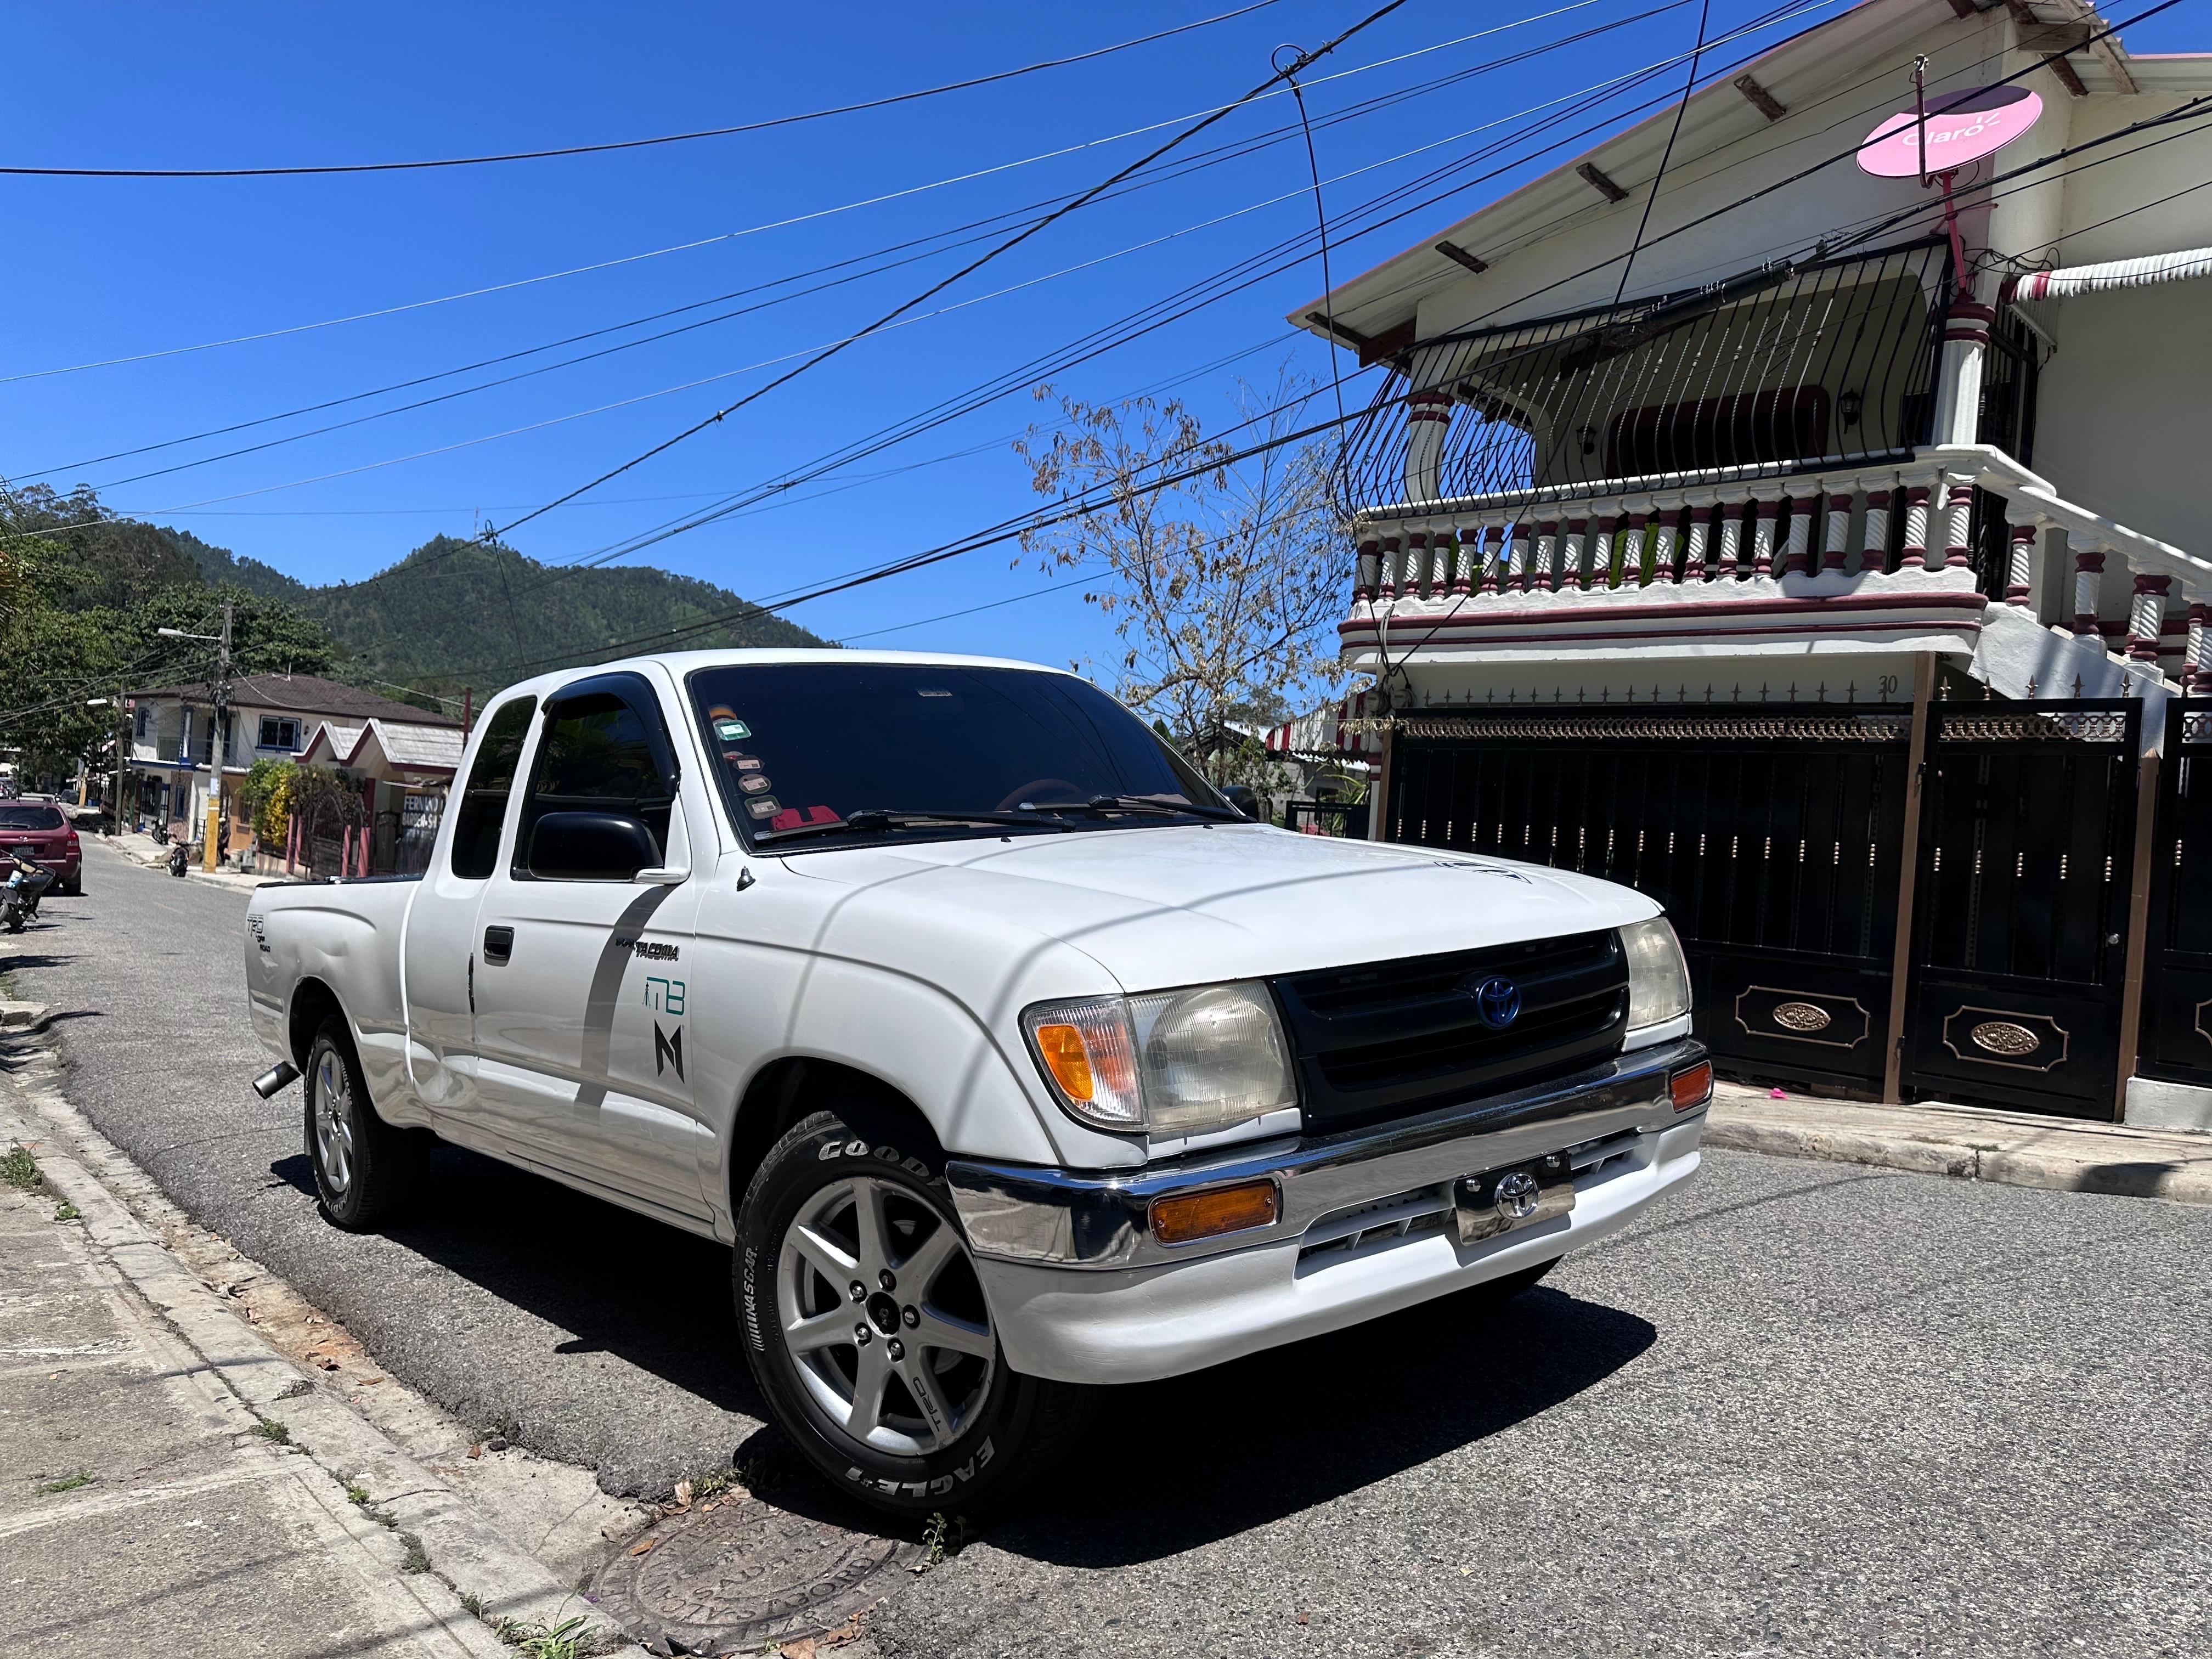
{"type": "Point", "coordinates": [883, 1316]}
{"type": "Point", "coordinates": [334, 1123]}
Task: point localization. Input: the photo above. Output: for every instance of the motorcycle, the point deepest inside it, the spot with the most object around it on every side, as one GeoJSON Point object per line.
{"type": "Point", "coordinates": [19, 899]}
{"type": "Point", "coordinates": [160, 832]}
{"type": "Point", "coordinates": [182, 856]}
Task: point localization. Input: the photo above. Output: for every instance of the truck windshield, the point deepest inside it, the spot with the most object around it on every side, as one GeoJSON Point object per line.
{"type": "Point", "coordinates": [804, 746]}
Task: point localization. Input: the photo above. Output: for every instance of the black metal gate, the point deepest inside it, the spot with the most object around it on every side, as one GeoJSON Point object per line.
{"type": "Point", "coordinates": [2177, 1020]}
{"type": "Point", "coordinates": [1771, 834]}
{"type": "Point", "coordinates": [2026, 851]}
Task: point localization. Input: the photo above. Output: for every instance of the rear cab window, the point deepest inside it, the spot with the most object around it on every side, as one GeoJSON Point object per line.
{"type": "Point", "coordinates": [31, 817]}
{"type": "Point", "coordinates": [491, 780]}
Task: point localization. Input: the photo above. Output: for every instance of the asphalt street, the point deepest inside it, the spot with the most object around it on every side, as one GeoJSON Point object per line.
{"type": "Point", "coordinates": [1802, 1409]}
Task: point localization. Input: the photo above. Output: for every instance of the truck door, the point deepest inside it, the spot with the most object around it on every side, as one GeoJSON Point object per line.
{"type": "Point", "coordinates": [583, 935]}
{"type": "Point", "coordinates": [439, 966]}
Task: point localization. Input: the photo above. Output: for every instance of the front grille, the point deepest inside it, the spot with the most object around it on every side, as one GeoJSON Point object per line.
{"type": "Point", "coordinates": [1389, 1039]}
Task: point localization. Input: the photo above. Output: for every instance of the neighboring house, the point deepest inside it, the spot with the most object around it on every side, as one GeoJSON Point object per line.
{"type": "Point", "coordinates": [1834, 589]}
{"type": "Point", "coordinates": [404, 768]}
{"type": "Point", "coordinates": [271, 717]}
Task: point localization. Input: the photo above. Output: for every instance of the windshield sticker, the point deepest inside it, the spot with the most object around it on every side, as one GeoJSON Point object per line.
{"type": "Point", "coordinates": [764, 806]}
{"type": "Point", "coordinates": [746, 762]}
{"type": "Point", "coordinates": [732, 731]}
{"type": "Point", "coordinates": [933, 694]}
{"type": "Point", "coordinates": [753, 782]}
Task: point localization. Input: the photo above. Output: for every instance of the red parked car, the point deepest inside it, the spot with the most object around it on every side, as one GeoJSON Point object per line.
{"type": "Point", "coordinates": [40, 831]}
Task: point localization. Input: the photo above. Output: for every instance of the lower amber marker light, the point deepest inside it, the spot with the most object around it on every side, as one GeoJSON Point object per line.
{"type": "Point", "coordinates": [1193, 1215]}
{"type": "Point", "coordinates": [1692, 1087]}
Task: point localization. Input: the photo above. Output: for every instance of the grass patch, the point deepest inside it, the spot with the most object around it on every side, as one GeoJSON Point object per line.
{"type": "Point", "coordinates": [298, 1389]}
{"type": "Point", "coordinates": [67, 1483]}
{"type": "Point", "coordinates": [472, 1604]}
{"type": "Point", "coordinates": [20, 1169]}
{"type": "Point", "coordinates": [569, 1640]}
{"type": "Point", "coordinates": [269, 1429]}
{"type": "Point", "coordinates": [66, 1211]}
{"type": "Point", "coordinates": [417, 1559]}
{"type": "Point", "coordinates": [944, 1538]}
{"type": "Point", "coordinates": [357, 1495]}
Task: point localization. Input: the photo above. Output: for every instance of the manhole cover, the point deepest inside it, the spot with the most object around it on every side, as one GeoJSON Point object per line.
{"type": "Point", "coordinates": [743, 1574]}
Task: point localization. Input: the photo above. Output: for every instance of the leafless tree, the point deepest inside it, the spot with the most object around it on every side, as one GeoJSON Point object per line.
{"type": "Point", "coordinates": [1224, 587]}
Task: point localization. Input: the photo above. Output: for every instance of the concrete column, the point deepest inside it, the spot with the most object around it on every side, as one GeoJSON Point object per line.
{"type": "Point", "coordinates": [1390, 546]}
{"type": "Point", "coordinates": [1547, 535]}
{"type": "Point", "coordinates": [2145, 615]}
{"type": "Point", "coordinates": [1839, 534]}
{"type": "Point", "coordinates": [1958, 523]}
{"type": "Point", "coordinates": [1797, 559]}
{"type": "Point", "coordinates": [1698, 530]}
{"type": "Point", "coordinates": [1959, 381]}
{"type": "Point", "coordinates": [2020, 572]}
{"type": "Point", "coordinates": [1874, 537]}
{"type": "Point", "coordinates": [1368, 571]}
{"type": "Point", "coordinates": [1470, 558]}
{"type": "Point", "coordinates": [1571, 555]}
{"type": "Point", "coordinates": [1916, 527]}
{"type": "Point", "coordinates": [1762, 536]}
{"type": "Point", "coordinates": [2089, 572]}
{"type": "Point", "coordinates": [1731, 523]}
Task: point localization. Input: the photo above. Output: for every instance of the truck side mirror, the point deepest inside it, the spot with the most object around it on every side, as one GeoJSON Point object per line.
{"type": "Point", "coordinates": [590, 847]}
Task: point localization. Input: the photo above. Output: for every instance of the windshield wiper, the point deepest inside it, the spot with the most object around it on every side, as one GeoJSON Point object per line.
{"type": "Point", "coordinates": [1140, 804]}
{"type": "Point", "coordinates": [885, 818]}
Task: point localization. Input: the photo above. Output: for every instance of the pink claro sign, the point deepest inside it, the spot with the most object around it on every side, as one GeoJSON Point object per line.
{"type": "Point", "coordinates": [1962, 127]}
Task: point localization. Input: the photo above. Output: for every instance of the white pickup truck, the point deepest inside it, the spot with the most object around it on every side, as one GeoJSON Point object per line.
{"type": "Point", "coordinates": [1003, 1050]}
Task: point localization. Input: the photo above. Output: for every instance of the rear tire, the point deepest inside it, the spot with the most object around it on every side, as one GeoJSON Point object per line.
{"type": "Point", "coordinates": [366, 1171]}
{"type": "Point", "coordinates": [900, 1395]}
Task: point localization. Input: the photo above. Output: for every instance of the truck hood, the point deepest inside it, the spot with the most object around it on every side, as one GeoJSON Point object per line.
{"type": "Point", "coordinates": [1182, 905]}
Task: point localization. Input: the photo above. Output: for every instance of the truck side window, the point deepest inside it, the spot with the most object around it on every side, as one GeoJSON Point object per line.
{"type": "Point", "coordinates": [597, 755]}
{"type": "Point", "coordinates": [491, 780]}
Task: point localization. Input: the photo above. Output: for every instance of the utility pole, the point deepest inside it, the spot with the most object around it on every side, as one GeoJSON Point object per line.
{"type": "Point", "coordinates": [123, 727]}
{"type": "Point", "coordinates": [221, 735]}
{"type": "Point", "coordinates": [221, 688]}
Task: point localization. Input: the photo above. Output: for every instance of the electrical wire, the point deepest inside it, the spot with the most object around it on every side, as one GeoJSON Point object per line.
{"type": "Point", "coordinates": [632, 143]}
{"type": "Point", "coordinates": [977, 264]}
{"type": "Point", "coordinates": [869, 201]}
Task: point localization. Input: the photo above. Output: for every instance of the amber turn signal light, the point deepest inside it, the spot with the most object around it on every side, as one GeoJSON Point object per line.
{"type": "Point", "coordinates": [1693, 1087]}
{"type": "Point", "coordinates": [1195, 1216]}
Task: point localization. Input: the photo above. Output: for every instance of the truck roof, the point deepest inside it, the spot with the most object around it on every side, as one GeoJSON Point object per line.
{"type": "Point", "coordinates": [681, 663]}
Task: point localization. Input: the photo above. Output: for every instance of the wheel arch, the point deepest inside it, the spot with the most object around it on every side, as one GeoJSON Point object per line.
{"type": "Point", "coordinates": [313, 1003]}
{"type": "Point", "coordinates": [787, 1090]}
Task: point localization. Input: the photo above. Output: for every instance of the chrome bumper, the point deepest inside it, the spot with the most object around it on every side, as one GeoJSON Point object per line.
{"type": "Point", "coordinates": [1020, 1213]}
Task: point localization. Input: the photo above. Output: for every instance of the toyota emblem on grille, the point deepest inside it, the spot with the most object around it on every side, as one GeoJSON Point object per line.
{"type": "Point", "coordinates": [1517, 1195]}
{"type": "Point", "coordinates": [1497, 1000]}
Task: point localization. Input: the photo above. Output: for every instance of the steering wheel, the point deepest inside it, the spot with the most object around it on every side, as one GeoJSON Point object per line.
{"type": "Point", "coordinates": [1043, 789]}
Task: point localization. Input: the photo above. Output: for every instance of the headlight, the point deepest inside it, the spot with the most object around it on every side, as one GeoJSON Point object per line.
{"type": "Point", "coordinates": [1168, 1062]}
{"type": "Point", "coordinates": [1658, 978]}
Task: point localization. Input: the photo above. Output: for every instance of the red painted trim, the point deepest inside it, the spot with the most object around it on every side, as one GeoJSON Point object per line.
{"type": "Point", "coordinates": [1901, 627]}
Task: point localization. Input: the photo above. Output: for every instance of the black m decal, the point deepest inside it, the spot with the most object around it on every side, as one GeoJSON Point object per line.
{"type": "Point", "coordinates": [668, 1051]}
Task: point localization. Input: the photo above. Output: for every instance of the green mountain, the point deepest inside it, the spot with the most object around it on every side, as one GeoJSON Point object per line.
{"type": "Point", "coordinates": [454, 613]}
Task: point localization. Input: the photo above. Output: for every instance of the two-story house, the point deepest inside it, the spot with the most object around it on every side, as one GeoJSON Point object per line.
{"type": "Point", "coordinates": [1840, 578]}
{"type": "Point", "coordinates": [271, 717]}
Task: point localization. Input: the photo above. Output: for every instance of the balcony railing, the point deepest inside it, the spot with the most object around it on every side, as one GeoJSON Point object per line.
{"type": "Point", "coordinates": [1872, 557]}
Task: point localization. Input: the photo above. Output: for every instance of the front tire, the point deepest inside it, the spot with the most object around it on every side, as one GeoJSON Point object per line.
{"type": "Point", "coordinates": [865, 1326]}
{"type": "Point", "coordinates": [365, 1169]}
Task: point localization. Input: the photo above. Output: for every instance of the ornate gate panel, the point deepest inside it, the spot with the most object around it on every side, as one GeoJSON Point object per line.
{"type": "Point", "coordinates": [2026, 849]}
{"type": "Point", "coordinates": [2177, 1028]}
{"type": "Point", "coordinates": [1771, 834]}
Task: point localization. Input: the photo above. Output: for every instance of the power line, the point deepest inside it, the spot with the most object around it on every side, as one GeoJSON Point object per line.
{"type": "Point", "coordinates": [1253, 269]}
{"type": "Point", "coordinates": [847, 207]}
{"type": "Point", "coordinates": [1011, 242]}
{"type": "Point", "coordinates": [1220, 155]}
{"type": "Point", "coordinates": [634, 143]}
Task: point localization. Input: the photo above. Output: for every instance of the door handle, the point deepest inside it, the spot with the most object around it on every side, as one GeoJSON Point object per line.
{"type": "Point", "coordinates": [498, 944]}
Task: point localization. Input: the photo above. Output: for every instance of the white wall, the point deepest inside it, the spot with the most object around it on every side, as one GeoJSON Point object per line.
{"type": "Point", "coordinates": [2121, 424]}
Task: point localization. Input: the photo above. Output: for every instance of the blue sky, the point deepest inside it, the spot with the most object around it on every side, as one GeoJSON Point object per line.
{"type": "Point", "coordinates": [115, 268]}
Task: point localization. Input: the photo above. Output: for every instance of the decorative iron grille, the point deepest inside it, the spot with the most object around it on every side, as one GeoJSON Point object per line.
{"type": "Point", "coordinates": [1887, 726]}
{"type": "Point", "coordinates": [1779, 369]}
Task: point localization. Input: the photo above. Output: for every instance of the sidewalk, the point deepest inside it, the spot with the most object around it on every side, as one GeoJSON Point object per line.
{"type": "Point", "coordinates": [175, 1485]}
{"type": "Point", "coordinates": [1972, 1143]}
{"type": "Point", "coordinates": [145, 850]}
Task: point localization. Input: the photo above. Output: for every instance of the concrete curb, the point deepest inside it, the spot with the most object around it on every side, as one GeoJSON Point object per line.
{"type": "Point", "coordinates": [474, 1568]}
{"type": "Point", "coordinates": [20, 1016]}
{"type": "Point", "coordinates": [1967, 1144]}
{"type": "Point", "coordinates": [231, 880]}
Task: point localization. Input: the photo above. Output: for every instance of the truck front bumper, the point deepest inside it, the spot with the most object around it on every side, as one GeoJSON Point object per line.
{"type": "Point", "coordinates": [1082, 1292]}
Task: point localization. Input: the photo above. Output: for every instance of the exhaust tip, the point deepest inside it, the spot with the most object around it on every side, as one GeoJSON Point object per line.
{"type": "Point", "coordinates": [277, 1078]}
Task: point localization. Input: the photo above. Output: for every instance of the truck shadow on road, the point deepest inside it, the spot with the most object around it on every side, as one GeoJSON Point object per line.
{"type": "Point", "coordinates": [1250, 1443]}
{"type": "Point", "coordinates": [616, 1282]}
